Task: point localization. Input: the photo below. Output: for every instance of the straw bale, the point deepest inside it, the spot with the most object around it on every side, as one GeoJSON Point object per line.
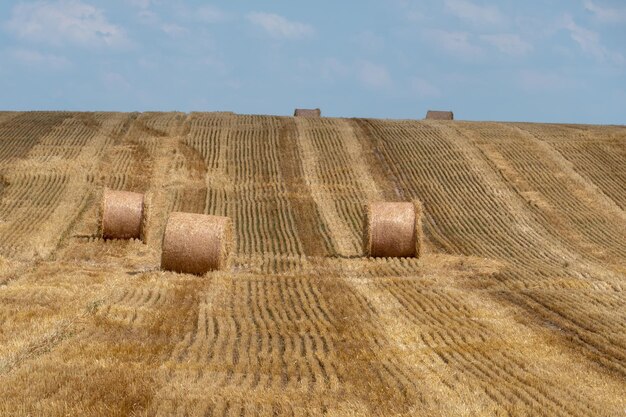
{"type": "Point", "coordinates": [196, 243]}
{"type": "Point", "coordinates": [439, 115]}
{"type": "Point", "coordinates": [307, 113]}
{"type": "Point", "coordinates": [122, 214]}
{"type": "Point", "coordinates": [393, 229]}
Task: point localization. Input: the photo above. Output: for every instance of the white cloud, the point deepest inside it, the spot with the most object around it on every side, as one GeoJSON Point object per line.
{"type": "Point", "coordinates": [456, 43]}
{"type": "Point", "coordinates": [64, 21]}
{"type": "Point", "coordinates": [374, 75]}
{"type": "Point", "coordinates": [589, 42]}
{"type": "Point", "coordinates": [473, 13]}
{"type": "Point", "coordinates": [332, 68]}
{"type": "Point", "coordinates": [279, 27]}
{"type": "Point", "coordinates": [369, 41]}
{"type": "Point", "coordinates": [215, 64]}
{"type": "Point", "coordinates": [180, 20]}
{"type": "Point", "coordinates": [174, 30]}
{"type": "Point", "coordinates": [210, 14]}
{"type": "Point", "coordinates": [115, 81]}
{"type": "Point", "coordinates": [35, 59]}
{"type": "Point", "coordinates": [205, 14]}
{"type": "Point", "coordinates": [142, 4]}
{"type": "Point", "coordinates": [508, 43]}
{"type": "Point", "coordinates": [545, 81]}
{"type": "Point", "coordinates": [424, 88]}
{"type": "Point", "coordinates": [605, 14]}
{"type": "Point", "coordinates": [148, 17]}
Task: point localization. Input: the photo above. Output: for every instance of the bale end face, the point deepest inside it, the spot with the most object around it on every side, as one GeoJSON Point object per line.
{"type": "Point", "coordinates": [393, 230]}
{"type": "Point", "coordinates": [196, 243]}
{"type": "Point", "coordinates": [307, 113]}
{"type": "Point", "coordinates": [439, 115]}
{"type": "Point", "coordinates": [122, 214]}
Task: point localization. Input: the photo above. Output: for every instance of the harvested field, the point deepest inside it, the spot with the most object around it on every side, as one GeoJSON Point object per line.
{"type": "Point", "coordinates": [516, 306]}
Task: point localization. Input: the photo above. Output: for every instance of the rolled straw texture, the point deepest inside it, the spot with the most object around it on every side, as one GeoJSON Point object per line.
{"type": "Point", "coordinates": [122, 214]}
{"type": "Point", "coordinates": [439, 115]}
{"type": "Point", "coordinates": [393, 230]}
{"type": "Point", "coordinates": [307, 113]}
{"type": "Point", "coordinates": [196, 243]}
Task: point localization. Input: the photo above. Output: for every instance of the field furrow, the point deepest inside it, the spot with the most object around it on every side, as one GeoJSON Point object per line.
{"type": "Point", "coordinates": [263, 217]}
{"type": "Point", "coordinates": [24, 131]}
{"type": "Point", "coordinates": [568, 205]}
{"type": "Point", "coordinates": [494, 220]}
{"type": "Point", "coordinates": [473, 346]}
{"type": "Point", "coordinates": [333, 164]}
{"type": "Point", "coordinates": [596, 154]}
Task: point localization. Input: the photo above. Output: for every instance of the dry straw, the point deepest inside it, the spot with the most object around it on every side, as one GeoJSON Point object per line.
{"type": "Point", "coordinates": [307, 113]}
{"type": "Point", "coordinates": [439, 115]}
{"type": "Point", "coordinates": [122, 214]}
{"type": "Point", "coordinates": [393, 230]}
{"type": "Point", "coordinates": [196, 243]}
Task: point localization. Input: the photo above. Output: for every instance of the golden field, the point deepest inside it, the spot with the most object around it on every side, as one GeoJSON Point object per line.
{"type": "Point", "coordinates": [517, 307]}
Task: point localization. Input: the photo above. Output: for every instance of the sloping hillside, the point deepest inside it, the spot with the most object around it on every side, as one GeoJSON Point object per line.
{"type": "Point", "coordinates": [517, 308]}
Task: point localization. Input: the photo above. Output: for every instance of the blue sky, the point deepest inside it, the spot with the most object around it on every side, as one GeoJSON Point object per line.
{"type": "Point", "coordinates": [543, 61]}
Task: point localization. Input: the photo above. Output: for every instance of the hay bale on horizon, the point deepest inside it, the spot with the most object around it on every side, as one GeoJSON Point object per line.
{"type": "Point", "coordinates": [307, 113]}
{"type": "Point", "coordinates": [393, 230]}
{"type": "Point", "coordinates": [439, 115]}
{"type": "Point", "coordinates": [196, 243]}
{"type": "Point", "coordinates": [122, 214]}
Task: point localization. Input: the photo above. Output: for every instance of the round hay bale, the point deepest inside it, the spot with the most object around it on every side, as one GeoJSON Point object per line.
{"type": "Point", "coordinates": [196, 243]}
{"type": "Point", "coordinates": [307, 113]}
{"type": "Point", "coordinates": [393, 230]}
{"type": "Point", "coordinates": [122, 214]}
{"type": "Point", "coordinates": [439, 115]}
